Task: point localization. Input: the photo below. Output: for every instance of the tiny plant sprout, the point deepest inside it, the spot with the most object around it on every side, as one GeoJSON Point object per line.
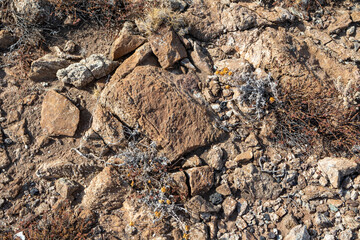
{"type": "Point", "coordinates": [163, 189]}
{"type": "Point", "coordinates": [186, 236]}
{"type": "Point", "coordinates": [131, 224]}
{"type": "Point", "coordinates": [149, 181]}
{"type": "Point", "coordinates": [187, 227]}
{"type": "Point", "coordinates": [227, 87]}
{"type": "Point", "coordinates": [271, 99]}
{"type": "Point", "coordinates": [132, 183]}
{"type": "Point", "coordinates": [168, 202]}
{"type": "Point", "coordinates": [161, 201]}
{"type": "Point", "coordinates": [157, 214]}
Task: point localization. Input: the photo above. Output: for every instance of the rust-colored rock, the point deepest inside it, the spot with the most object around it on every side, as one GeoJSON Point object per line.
{"type": "Point", "coordinates": [169, 116]}
{"type": "Point", "coordinates": [58, 115]}
{"type": "Point", "coordinates": [201, 179]}
{"type": "Point", "coordinates": [167, 47]}
{"type": "Point", "coordinates": [125, 44]}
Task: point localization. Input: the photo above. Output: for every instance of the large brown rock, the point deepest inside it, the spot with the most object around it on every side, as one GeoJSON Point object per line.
{"type": "Point", "coordinates": [106, 190]}
{"type": "Point", "coordinates": [125, 44]}
{"type": "Point", "coordinates": [201, 179]}
{"type": "Point", "coordinates": [167, 46]}
{"type": "Point", "coordinates": [166, 114]}
{"type": "Point", "coordinates": [58, 115]}
{"type": "Point", "coordinates": [6, 39]}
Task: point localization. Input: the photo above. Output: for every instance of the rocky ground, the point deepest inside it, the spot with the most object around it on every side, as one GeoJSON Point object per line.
{"type": "Point", "coordinates": [190, 126]}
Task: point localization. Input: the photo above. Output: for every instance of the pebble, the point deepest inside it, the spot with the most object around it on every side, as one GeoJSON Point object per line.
{"type": "Point", "coordinates": [272, 235]}
{"type": "Point", "coordinates": [216, 198]}
{"type": "Point", "coordinates": [34, 192]}
{"type": "Point", "coordinates": [8, 141]}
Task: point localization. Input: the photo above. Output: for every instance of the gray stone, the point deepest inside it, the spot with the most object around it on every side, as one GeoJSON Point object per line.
{"type": "Point", "coordinates": [298, 233]}
{"type": "Point", "coordinates": [216, 198]}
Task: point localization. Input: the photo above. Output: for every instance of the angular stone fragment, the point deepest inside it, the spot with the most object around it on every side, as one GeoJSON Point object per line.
{"type": "Point", "coordinates": [201, 179]}
{"type": "Point", "coordinates": [215, 158]}
{"type": "Point", "coordinates": [197, 205]}
{"type": "Point", "coordinates": [343, 20]}
{"type": "Point", "coordinates": [244, 157]}
{"type": "Point", "coordinates": [4, 159]}
{"type": "Point", "coordinates": [336, 169]}
{"type": "Point", "coordinates": [106, 190]}
{"type": "Point", "coordinates": [298, 233]}
{"type": "Point", "coordinates": [66, 188]}
{"type": "Point", "coordinates": [201, 60]}
{"type": "Point", "coordinates": [180, 180]}
{"type": "Point", "coordinates": [45, 68]}
{"type": "Point", "coordinates": [59, 117]}
{"type": "Point", "coordinates": [148, 98]}
{"type": "Point", "coordinates": [321, 221]}
{"type": "Point", "coordinates": [198, 231]}
{"type": "Point", "coordinates": [167, 47]}
{"type": "Point", "coordinates": [125, 44]}
{"type": "Point", "coordinates": [229, 206]}
{"type": "Point", "coordinates": [141, 56]}
{"type": "Point", "coordinates": [193, 161]}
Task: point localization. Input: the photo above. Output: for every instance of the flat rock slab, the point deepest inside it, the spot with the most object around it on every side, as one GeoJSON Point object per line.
{"type": "Point", "coordinates": [337, 168]}
{"type": "Point", "coordinates": [166, 114]}
{"type": "Point", "coordinates": [59, 117]}
{"type": "Point", "coordinates": [201, 179]}
{"type": "Point", "coordinates": [125, 44]}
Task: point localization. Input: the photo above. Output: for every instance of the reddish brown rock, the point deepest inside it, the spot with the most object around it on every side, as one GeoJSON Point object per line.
{"type": "Point", "coordinates": [125, 44]}
{"type": "Point", "coordinates": [106, 190]}
{"type": "Point", "coordinates": [180, 180]}
{"type": "Point", "coordinates": [201, 179]}
{"type": "Point", "coordinates": [58, 115]}
{"type": "Point", "coordinates": [4, 159]}
{"type": "Point", "coordinates": [167, 47]}
{"type": "Point", "coordinates": [168, 115]}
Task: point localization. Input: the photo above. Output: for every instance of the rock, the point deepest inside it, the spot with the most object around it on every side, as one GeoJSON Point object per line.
{"type": "Point", "coordinates": [201, 60]}
{"type": "Point", "coordinates": [125, 43]}
{"type": "Point", "coordinates": [287, 223]}
{"type": "Point", "coordinates": [346, 235]}
{"type": "Point", "coordinates": [336, 169]}
{"type": "Point", "coordinates": [76, 74]}
{"type": "Point", "coordinates": [224, 189]}
{"type": "Point", "coordinates": [193, 161]}
{"type": "Point", "coordinates": [198, 231]}
{"type": "Point", "coordinates": [108, 127]}
{"type": "Point", "coordinates": [321, 221]}
{"type": "Point", "coordinates": [351, 222]}
{"type": "Point", "coordinates": [167, 115]}
{"type": "Point", "coordinates": [355, 16]}
{"type": "Point", "coordinates": [32, 11]}
{"type": "Point", "coordinates": [142, 56]}
{"type": "Point", "coordinates": [201, 179]}
{"type": "Point", "coordinates": [4, 159]}
{"type": "Point", "coordinates": [167, 47]}
{"type": "Point", "coordinates": [197, 205]}
{"type": "Point", "coordinates": [64, 169]}
{"type": "Point", "coordinates": [66, 188]}
{"type": "Point", "coordinates": [46, 67]}
{"type": "Point", "coordinates": [59, 117]}
{"type": "Point", "coordinates": [216, 198]}
{"type": "Point", "coordinates": [215, 158]}
{"type": "Point", "coordinates": [251, 140]}
{"type": "Point", "coordinates": [6, 39]}
{"type": "Point", "coordinates": [241, 223]}
{"type": "Point", "coordinates": [314, 192]}
{"type": "Point", "coordinates": [80, 74]}
{"type": "Point", "coordinates": [70, 47]}
{"type": "Point", "coordinates": [343, 20]}
{"type": "Point", "coordinates": [298, 233]}
{"type": "Point", "coordinates": [229, 206]}
{"type": "Point", "coordinates": [180, 180]}
{"type": "Point", "coordinates": [244, 157]}
{"type": "Point", "coordinates": [105, 190]}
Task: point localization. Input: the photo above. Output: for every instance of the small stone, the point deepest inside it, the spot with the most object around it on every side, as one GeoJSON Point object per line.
{"type": "Point", "coordinates": [215, 158]}
{"type": "Point", "coordinates": [229, 205]}
{"type": "Point", "coordinates": [346, 235]}
{"type": "Point", "coordinates": [224, 189]}
{"type": "Point", "coordinates": [322, 221]}
{"type": "Point", "coordinates": [2, 202]}
{"type": "Point", "coordinates": [298, 233]}
{"type": "Point", "coordinates": [197, 205]}
{"type": "Point", "coordinates": [180, 180]}
{"type": "Point", "coordinates": [271, 235]}
{"type": "Point", "coordinates": [244, 157]}
{"type": "Point", "coordinates": [66, 188]}
{"type": "Point", "coordinates": [201, 179]}
{"type": "Point", "coordinates": [350, 222]}
{"type": "Point", "coordinates": [193, 161]}
{"type": "Point", "coordinates": [251, 140]}
{"type": "Point", "coordinates": [323, 181]}
{"type": "Point", "coordinates": [350, 31]}
{"type": "Point", "coordinates": [216, 198]}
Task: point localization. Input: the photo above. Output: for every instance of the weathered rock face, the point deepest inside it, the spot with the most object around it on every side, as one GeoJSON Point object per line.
{"type": "Point", "coordinates": [58, 115]}
{"type": "Point", "coordinates": [167, 47]}
{"type": "Point", "coordinates": [201, 179]}
{"type": "Point", "coordinates": [201, 60]}
{"type": "Point", "coordinates": [32, 10]}
{"type": "Point", "coordinates": [80, 74]}
{"type": "Point", "coordinates": [164, 113]}
{"type": "Point", "coordinates": [197, 205]}
{"type": "Point", "coordinates": [106, 190]}
{"type": "Point", "coordinates": [45, 68]}
{"type": "Point", "coordinates": [336, 169]}
{"type": "Point", "coordinates": [125, 44]}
